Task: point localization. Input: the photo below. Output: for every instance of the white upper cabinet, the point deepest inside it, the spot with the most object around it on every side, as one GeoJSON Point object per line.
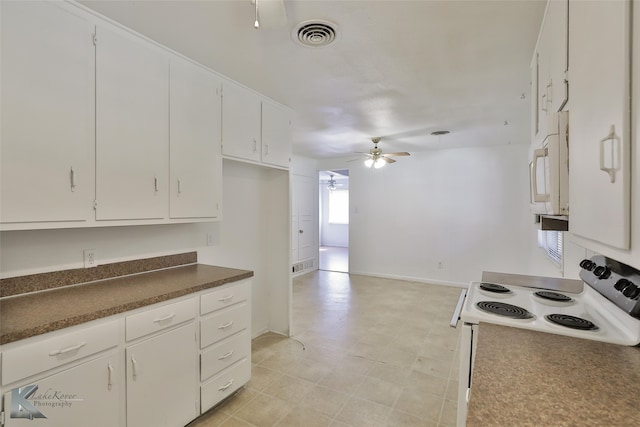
{"type": "Point", "coordinates": [276, 135]}
{"type": "Point", "coordinates": [195, 159]}
{"type": "Point", "coordinates": [254, 128]}
{"type": "Point", "coordinates": [240, 122]}
{"type": "Point", "coordinates": [549, 87]}
{"type": "Point", "coordinates": [132, 127]}
{"type": "Point", "coordinates": [599, 136]}
{"type": "Point", "coordinates": [47, 114]}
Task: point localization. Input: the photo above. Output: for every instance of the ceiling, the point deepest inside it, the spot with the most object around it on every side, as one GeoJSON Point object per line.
{"type": "Point", "coordinates": [398, 69]}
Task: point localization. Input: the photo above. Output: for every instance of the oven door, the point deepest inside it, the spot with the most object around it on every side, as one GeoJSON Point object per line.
{"type": "Point", "coordinates": [468, 343]}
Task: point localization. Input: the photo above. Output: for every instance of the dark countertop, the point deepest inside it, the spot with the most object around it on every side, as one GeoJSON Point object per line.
{"type": "Point", "coordinates": [528, 378]}
{"type": "Point", "coordinates": [33, 314]}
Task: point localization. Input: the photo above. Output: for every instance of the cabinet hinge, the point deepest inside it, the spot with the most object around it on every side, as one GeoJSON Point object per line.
{"type": "Point", "coordinates": [94, 39]}
{"type": "Point", "coordinates": [1, 418]}
{"type": "Point", "coordinates": [95, 205]}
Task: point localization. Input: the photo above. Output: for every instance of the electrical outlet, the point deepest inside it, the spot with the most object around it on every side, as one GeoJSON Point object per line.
{"type": "Point", "coordinates": [90, 258]}
{"type": "Point", "coordinates": [440, 265]}
{"type": "Point", "coordinates": [209, 239]}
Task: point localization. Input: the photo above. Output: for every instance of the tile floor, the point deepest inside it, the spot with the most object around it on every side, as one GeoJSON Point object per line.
{"type": "Point", "coordinates": [379, 352]}
{"type": "Point", "coordinates": [334, 258]}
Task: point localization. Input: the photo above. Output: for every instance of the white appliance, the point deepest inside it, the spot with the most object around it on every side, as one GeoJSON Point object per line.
{"type": "Point", "coordinates": [549, 169]}
{"type": "Point", "coordinates": [607, 309]}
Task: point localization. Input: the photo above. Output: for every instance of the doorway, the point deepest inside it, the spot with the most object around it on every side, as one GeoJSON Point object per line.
{"type": "Point", "coordinates": [334, 220]}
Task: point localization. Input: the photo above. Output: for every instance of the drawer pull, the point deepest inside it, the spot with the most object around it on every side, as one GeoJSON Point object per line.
{"type": "Point", "coordinates": [162, 319]}
{"type": "Point", "coordinates": [134, 368]}
{"type": "Point", "coordinates": [110, 370]}
{"type": "Point", "coordinates": [224, 356]}
{"type": "Point", "coordinates": [67, 350]}
{"type": "Point", "coordinates": [226, 325]}
{"type": "Point", "coordinates": [226, 386]}
{"type": "Point", "coordinates": [227, 298]}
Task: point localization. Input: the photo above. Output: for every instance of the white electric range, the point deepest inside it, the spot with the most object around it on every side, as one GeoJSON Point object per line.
{"type": "Point", "coordinates": [607, 309]}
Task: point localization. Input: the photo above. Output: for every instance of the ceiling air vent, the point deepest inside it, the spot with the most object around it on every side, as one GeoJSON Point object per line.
{"type": "Point", "coordinates": [315, 33]}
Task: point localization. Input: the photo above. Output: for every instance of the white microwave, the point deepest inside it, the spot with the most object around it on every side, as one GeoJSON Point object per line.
{"type": "Point", "coordinates": [549, 169]}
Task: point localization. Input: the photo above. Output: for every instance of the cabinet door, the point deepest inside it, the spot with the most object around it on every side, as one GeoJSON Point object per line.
{"type": "Point", "coordinates": [47, 113]}
{"type": "Point", "coordinates": [549, 68]}
{"type": "Point", "coordinates": [195, 132]}
{"type": "Point", "coordinates": [276, 135]}
{"type": "Point", "coordinates": [132, 134]}
{"type": "Point", "coordinates": [240, 122]}
{"type": "Point", "coordinates": [87, 394]}
{"type": "Point", "coordinates": [556, 25]}
{"type": "Point", "coordinates": [162, 376]}
{"type": "Point", "coordinates": [599, 121]}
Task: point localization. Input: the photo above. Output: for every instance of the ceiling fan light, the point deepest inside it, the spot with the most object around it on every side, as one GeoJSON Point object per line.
{"type": "Point", "coordinates": [377, 163]}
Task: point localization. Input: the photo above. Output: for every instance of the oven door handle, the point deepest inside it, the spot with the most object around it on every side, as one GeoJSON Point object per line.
{"type": "Point", "coordinates": [456, 313]}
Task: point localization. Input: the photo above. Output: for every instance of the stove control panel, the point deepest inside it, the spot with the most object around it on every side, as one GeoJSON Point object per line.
{"type": "Point", "coordinates": [618, 282]}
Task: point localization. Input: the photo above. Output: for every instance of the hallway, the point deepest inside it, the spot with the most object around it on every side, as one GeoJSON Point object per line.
{"type": "Point", "coordinates": [333, 258]}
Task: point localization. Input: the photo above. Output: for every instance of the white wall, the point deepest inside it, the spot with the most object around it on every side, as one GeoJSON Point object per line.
{"type": "Point", "coordinates": [255, 207]}
{"type": "Point", "coordinates": [465, 208]}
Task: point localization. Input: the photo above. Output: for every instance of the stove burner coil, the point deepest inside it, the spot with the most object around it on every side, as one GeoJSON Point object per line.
{"type": "Point", "coordinates": [553, 296]}
{"type": "Point", "coordinates": [571, 322]}
{"type": "Point", "coordinates": [502, 309]}
{"type": "Point", "coordinates": [494, 287]}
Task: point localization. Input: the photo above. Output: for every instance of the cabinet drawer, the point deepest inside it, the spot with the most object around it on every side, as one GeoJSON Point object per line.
{"type": "Point", "coordinates": [160, 318]}
{"type": "Point", "coordinates": [224, 323]}
{"type": "Point", "coordinates": [223, 385]}
{"type": "Point", "coordinates": [224, 354]}
{"type": "Point", "coordinates": [225, 297]}
{"type": "Point", "coordinates": [30, 359]}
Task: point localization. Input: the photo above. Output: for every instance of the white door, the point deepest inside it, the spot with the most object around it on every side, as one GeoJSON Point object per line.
{"type": "Point", "coordinates": [88, 394]}
{"type": "Point", "coordinates": [599, 134]}
{"type": "Point", "coordinates": [162, 376]}
{"type": "Point", "coordinates": [302, 221]}
{"type": "Point", "coordinates": [195, 162]}
{"type": "Point", "coordinates": [132, 128]}
{"type": "Point", "coordinates": [240, 122]}
{"type": "Point", "coordinates": [47, 113]}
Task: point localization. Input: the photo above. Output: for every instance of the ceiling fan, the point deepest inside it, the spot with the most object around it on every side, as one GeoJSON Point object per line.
{"type": "Point", "coordinates": [376, 159]}
{"type": "Point", "coordinates": [332, 184]}
{"type": "Point", "coordinates": [269, 13]}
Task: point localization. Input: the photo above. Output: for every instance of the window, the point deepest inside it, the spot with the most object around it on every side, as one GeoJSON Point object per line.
{"type": "Point", "coordinates": [339, 207]}
{"type": "Point", "coordinates": [551, 242]}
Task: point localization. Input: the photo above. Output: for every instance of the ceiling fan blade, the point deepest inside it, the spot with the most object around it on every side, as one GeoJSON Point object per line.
{"type": "Point", "coordinates": [402, 153]}
{"type": "Point", "coordinates": [387, 159]}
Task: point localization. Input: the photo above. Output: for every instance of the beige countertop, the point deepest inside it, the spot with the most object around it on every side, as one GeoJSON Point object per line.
{"type": "Point", "coordinates": [32, 314]}
{"type": "Point", "coordinates": [528, 378]}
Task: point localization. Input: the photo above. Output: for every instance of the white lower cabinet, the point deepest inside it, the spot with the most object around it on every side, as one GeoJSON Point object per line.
{"type": "Point", "coordinates": [161, 375]}
{"type": "Point", "coordinates": [145, 368]}
{"type": "Point", "coordinates": [86, 394]}
{"type": "Point", "coordinates": [223, 385]}
{"type": "Point", "coordinates": [225, 340]}
{"type": "Point", "coordinates": [70, 378]}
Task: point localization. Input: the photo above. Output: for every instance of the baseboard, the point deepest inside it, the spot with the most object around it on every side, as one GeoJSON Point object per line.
{"type": "Point", "coordinates": [413, 279]}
